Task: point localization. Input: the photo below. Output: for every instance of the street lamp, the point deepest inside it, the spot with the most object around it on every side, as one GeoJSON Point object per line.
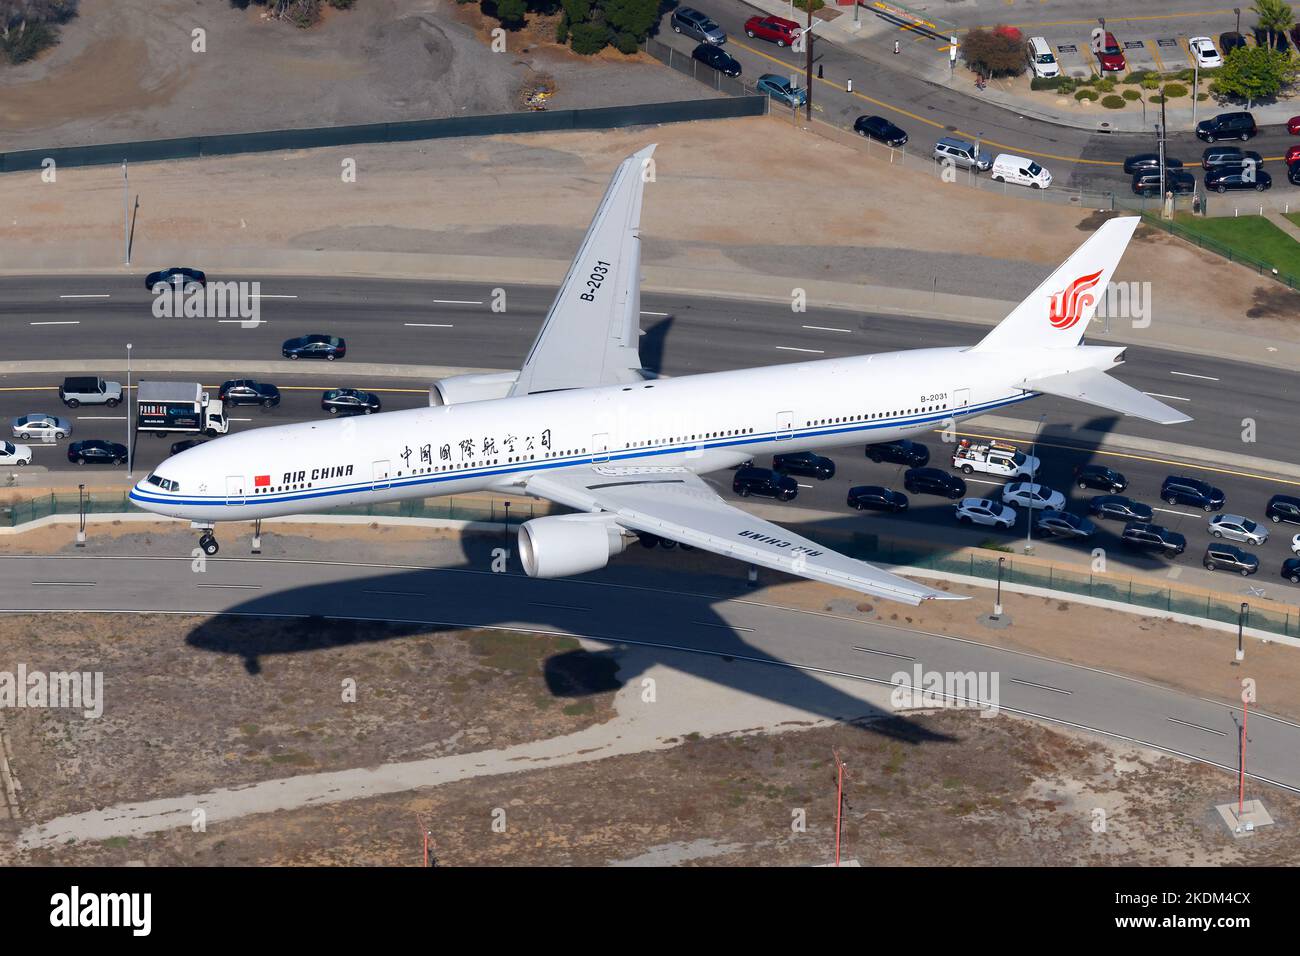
{"type": "Point", "coordinates": [1242, 614]}
{"type": "Point", "coordinates": [128, 410]}
{"type": "Point", "coordinates": [1237, 11]}
{"type": "Point", "coordinates": [997, 603]}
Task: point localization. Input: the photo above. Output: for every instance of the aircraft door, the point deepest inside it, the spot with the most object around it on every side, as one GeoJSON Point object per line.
{"type": "Point", "coordinates": [235, 489]}
{"type": "Point", "coordinates": [784, 425]}
{"type": "Point", "coordinates": [960, 400]}
{"type": "Point", "coordinates": [600, 447]}
{"type": "Point", "coordinates": [381, 476]}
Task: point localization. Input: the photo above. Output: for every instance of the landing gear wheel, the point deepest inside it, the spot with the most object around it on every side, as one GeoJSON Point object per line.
{"type": "Point", "coordinates": [209, 544]}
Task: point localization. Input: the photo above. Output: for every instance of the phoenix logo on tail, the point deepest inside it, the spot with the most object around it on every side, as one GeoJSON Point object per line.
{"type": "Point", "coordinates": [1068, 304]}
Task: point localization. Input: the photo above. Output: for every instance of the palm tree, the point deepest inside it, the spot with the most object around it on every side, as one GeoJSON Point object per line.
{"type": "Point", "coordinates": [1275, 16]}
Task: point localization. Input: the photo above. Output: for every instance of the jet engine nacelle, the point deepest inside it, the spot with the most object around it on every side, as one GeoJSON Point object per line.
{"type": "Point", "coordinates": [560, 545]}
{"type": "Point", "coordinates": [473, 387]}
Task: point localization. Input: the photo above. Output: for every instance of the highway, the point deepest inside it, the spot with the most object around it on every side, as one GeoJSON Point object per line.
{"type": "Point", "coordinates": [927, 109]}
{"type": "Point", "coordinates": [810, 646]}
{"type": "Point", "coordinates": [391, 324]}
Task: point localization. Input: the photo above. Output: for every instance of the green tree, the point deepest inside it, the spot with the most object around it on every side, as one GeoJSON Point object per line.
{"type": "Point", "coordinates": [993, 53]}
{"type": "Point", "coordinates": [511, 13]}
{"type": "Point", "coordinates": [577, 10]}
{"type": "Point", "coordinates": [588, 38]}
{"type": "Point", "coordinates": [631, 16]}
{"type": "Point", "coordinates": [1274, 16]}
{"type": "Point", "coordinates": [1254, 73]}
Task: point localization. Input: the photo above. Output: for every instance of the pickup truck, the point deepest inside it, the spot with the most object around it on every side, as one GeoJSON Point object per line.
{"type": "Point", "coordinates": [994, 458]}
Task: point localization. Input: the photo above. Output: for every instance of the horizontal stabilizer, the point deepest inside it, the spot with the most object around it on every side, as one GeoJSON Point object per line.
{"type": "Point", "coordinates": [1095, 387]}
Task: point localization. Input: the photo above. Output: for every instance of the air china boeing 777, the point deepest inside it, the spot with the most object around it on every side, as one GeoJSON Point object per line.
{"type": "Point", "coordinates": [582, 425]}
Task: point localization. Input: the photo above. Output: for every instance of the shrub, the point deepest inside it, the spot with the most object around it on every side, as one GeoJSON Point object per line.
{"type": "Point", "coordinates": [1132, 95]}
{"type": "Point", "coordinates": [1106, 85]}
{"type": "Point", "coordinates": [1174, 90]}
{"type": "Point", "coordinates": [626, 43]}
{"type": "Point", "coordinates": [1137, 76]}
{"type": "Point", "coordinates": [588, 38]}
{"type": "Point", "coordinates": [1112, 102]}
{"type": "Point", "coordinates": [1086, 95]}
{"type": "Point", "coordinates": [1068, 84]}
{"type": "Point", "coordinates": [23, 45]}
{"type": "Point", "coordinates": [1157, 98]}
{"type": "Point", "coordinates": [816, 5]}
{"type": "Point", "coordinates": [1047, 82]}
{"type": "Point", "coordinates": [561, 30]}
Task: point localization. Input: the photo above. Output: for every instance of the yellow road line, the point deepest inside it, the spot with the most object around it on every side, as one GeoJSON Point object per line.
{"type": "Point", "coordinates": [1021, 151]}
{"type": "Point", "coordinates": [1191, 60]}
{"type": "Point", "coordinates": [1155, 55]}
{"type": "Point", "coordinates": [1145, 19]}
{"type": "Point", "coordinates": [1132, 457]}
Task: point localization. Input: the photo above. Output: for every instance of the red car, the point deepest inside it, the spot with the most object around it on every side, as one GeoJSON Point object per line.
{"type": "Point", "coordinates": [1293, 155]}
{"type": "Point", "coordinates": [1110, 55]}
{"type": "Point", "coordinates": [776, 30]}
{"type": "Point", "coordinates": [1293, 126]}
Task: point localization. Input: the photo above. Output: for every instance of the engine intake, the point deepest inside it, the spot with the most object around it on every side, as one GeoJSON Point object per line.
{"type": "Point", "coordinates": [559, 545]}
{"type": "Point", "coordinates": [472, 387]}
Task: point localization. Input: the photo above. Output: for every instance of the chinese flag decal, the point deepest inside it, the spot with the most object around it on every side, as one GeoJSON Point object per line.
{"type": "Point", "coordinates": [262, 481]}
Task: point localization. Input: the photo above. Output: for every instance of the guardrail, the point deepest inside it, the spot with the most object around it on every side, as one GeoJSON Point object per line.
{"type": "Point", "coordinates": [195, 147]}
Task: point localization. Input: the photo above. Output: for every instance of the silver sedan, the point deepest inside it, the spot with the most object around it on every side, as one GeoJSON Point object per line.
{"type": "Point", "coordinates": [41, 427]}
{"type": "Point", "coordinates": [1237, 528]}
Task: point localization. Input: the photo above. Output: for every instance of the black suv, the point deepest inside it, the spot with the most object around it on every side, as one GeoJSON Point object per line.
{"type": "Point", "coordinates": [1099, 477]}
{"type": "Point", "coordinates": [176, 276]}
{"type": "Point", "coordinates": [244, 391]}
{"type": "Point", "coordinates": [1217, 156]}
{"type": "Point", "coordinates": [1176, 181]}
{"type": "Point", "coordinates": [1291, 570]}
{"type": "Point", "coordinates": [932, 481]}
{"type": "Point", "coordinates": [720, 60]}
{"type": "Point", "coordinates": [905, 452]}
{"type": "Point", "coordinates": [1117, 506]}
{"type": "Point", "coordinates": [1151, 537]}
{"type": "Point", "coordinates": [1143, 162]}
{"type": "Point", "coordinates": [1230, 558]}
{"type": "Point", "coordinates": [1227, 126]}
{"type": "Point", "coordinates": [95, 451]}
{"type": "Point", "coordinates": [876, 498]}
{"type": "Point", "coordinates": [1181, 490]}
{"type": "Point", "coordinates": [765, 482]}
{"type": "Point", "coordinates": [804, 463]}
{"type": "Point", "coordinates": [879, 128]}
{"type": "Point", "coordinates": [1283, 508]}
{"type": "Point", "coordinates": [1293, 173]}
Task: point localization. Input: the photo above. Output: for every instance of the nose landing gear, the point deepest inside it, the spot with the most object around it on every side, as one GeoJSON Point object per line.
{"type": "Point", "coordinates": [207, 540]}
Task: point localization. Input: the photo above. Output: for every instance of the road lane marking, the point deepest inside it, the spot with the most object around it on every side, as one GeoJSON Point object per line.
{"type": "Point", "coordinates": [396, 593]}
{"type": "Point", "coordinates": [64, 322]}
{"type": "Point", "coordinates": [242, 587]}
{"type": "Point", "coordinates": [267, 295]}
{"type": "Point", "coordinates": [1029, 683]}
{"type": "Point", "coordinates": [1208, 378]}
{"type": "Point", "coordinates": [872, 650]}
{"type": "Point", "coordinates": [1172, 398]}
{"type": "Point", "coordinates": [458, 301]}
{"type": "Point", "coordinates": [802, 485]}
{"type": "Point", "coordinates": [1208, 730]}
{"type": "Point", "coordinates": [562, 607]}
{"type": "Point", "coordinates": [662, 315]}
{"type": "Point", "coordinates": [101, 418]}
{"type": "Point", "coordinates": [791, 348]}
{"type": "Point", "coordinates": [825, 328]}
{"type": "Point", "coordinates": [730, 627]}
{"type": "Point", "coordinates": [427, 325]}
{"type": "Point", "coordinates": [87, 295]}
{"type": "Point", "coordinates": [63, 584]}
{"type": "Point", "coordinates": [1170, 511]}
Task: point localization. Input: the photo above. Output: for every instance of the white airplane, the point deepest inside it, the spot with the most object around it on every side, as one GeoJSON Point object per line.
{"type": "Point", "coordinates": [582, 425]}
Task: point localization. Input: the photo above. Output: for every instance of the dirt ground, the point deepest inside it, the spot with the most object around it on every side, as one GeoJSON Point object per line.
{"type": "Point", "coordinates": [384, 60]}
{"type": "Point", "coordinates": [1003, 792]}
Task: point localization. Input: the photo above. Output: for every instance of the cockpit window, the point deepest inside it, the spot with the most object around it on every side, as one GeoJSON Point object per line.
{"type": "Point", "coordinates": [163, 483]}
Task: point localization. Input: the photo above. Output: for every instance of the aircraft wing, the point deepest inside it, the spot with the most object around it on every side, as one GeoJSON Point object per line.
{"type": "Point", "coordinates": [675, 503]}
{"type": "Point", "coordinates": [1095, 387]}
{"type": "Point", "coordinates": [590, 334]}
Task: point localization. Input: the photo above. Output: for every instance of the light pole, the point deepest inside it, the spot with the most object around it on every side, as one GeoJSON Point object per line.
{"type": "Point", "coordinates": [126, 214]}
{"type": "Point", "coordinates": [1196, 82]}
{"type": "Point", "coordinates": [839, 803]}
{"type": "Point", "coordinates": [128, 408]}
{"type": "Point", "coordinates": [997, 603]}
{"type": "Point", "coordinates": [1033, 481]}
{"type": "Point", "coordinates": [1237, 11]}
{"type": "Point", "coordinates": [1242, 614]}
{"type": "Point", "coordinates": [81, 516]}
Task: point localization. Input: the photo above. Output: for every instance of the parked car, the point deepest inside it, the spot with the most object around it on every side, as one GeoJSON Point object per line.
{"type": "Point", "coordinates": [697, 25]}
{"type": "Point", "coordinates": [962, 154]}
{"type": "Point", "coordinates": [1216, 156]}
{"type": "Point", "coordinates": [776, 30]}
{"type": "Point", "coordinates": [1111, 55]}
{"type": "Point", "coordinates": [1181, 490]}
{"type": "Point", "coordinates": [1117, 506]}
{"type": "Point", "coordinates": [902, 452]}
{"type": "Point", "coordinates": [1176, 181]}
{"type": "Point", "coordinates": [1032, 495]}
{"type": "Point", "coordinates": [719, 59]}
{"type": "Point", "coordinates": [804, 463]}
{"type": "Point", "coordinates": [1230, 41]}
{"type": "Point", "coordinates": [1229, 557]}
{"type": "Point", "coordinates": [96, 451]}
{"type": "Point", "coordinates": [1041, 59]}
{"type": "Point", "coordinates": [1020, 170]}
{"type": "Point", "coordinates": [41, 426]}
{"type": "Point", "coordinates": [985, 512]}
{"type": "Point", "coordinates": [1143, 162]}
{"type": "Point", "coordinates": [11, 454]}
{"type": "Point", "coordinates": [177, 276]}
{"type": "Point", "coordinates": [1293, 126]}
{"type": "Point", "coordinates": [764, 482]}
{"type": "Point", "coordinates": [1237, 528]}
{"type": "Point", "coordinates": [1293, 173]}
{"type": "Point", "coordinates": [1238, 177]}
{"type": "Point", "coordinates": [876, 498]}
{"type": "Point", "coordinates": [1100, 478]}
{"type": "Point", "coordinates": [1295, 544]}
{"type": "Point", "coordinates": [244, 391]}
{"type": "Point", "coordinates": [349, 401]}
{"type": "Point", "coordinates": [932, 481]}
{"type": "Point", "coordinates": [1144, 536]}
{"type": "Point", "coordinates": [1283, 508]}
{"type": "Point", "coordinates": [881, 129]}
{"type": "Point", "coordinates": [1207, 57]}
{"type": "Point", "coordinates": [328, 347]}
{"type": "Point", "coordinates": [1292, 154]}
{"type": "Point", "coordinates": [187, 444]}
{"type": "Point", "coordinates": [1062, 524]}
{"type": "Point", "coordinates": [1291, 570]}
{"type": "Point", "coordinates": [1227, 126]}
{"type": "Point", "coordinates": [780, 88]}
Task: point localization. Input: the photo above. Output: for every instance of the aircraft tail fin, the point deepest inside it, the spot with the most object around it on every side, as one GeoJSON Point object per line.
{"type": "Point", "coordinates": [1057, 313]}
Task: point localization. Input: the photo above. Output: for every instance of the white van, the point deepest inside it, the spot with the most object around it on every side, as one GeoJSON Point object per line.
{"type": "Point", "coordinates": [1041, 58]}
{"type": "Point", "coordinates": [1021, 171]}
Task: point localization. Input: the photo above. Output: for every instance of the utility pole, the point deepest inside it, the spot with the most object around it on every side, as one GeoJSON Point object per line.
{"type": "Point", "coordinates": [1196, 82]}
{"type": "Point", "coordinates": [839, 803]}
{"type": "Point", "coordinates": [127, 396]}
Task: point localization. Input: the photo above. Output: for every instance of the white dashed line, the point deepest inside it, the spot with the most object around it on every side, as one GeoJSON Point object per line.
{"type": "Point", "coordinates": [88, 295]}
{"type": "Point", "coordinates": [825, 328]}
{"type": "Point", "coordinates": [1054, 690]}
{"type": "Point", "coordinates": [1170, 511]}
{"type": "Point", "coordinates": [1172, 398]}
{"type": "Point", "coordinates": [791, 348]}
{"type": "Point", "coordinates": [64, 322]}
{"type": "Point", "coordinates": [267, 295]}
{"type": "Point", "coordinates": [427, 325]}
{"type": "Point", "coordinates": [1208, 378]}
{"type": "Point", "coordinates": [458, 301]}
{"type": "Point", "coordinates": [662, 315]}
{"type": "Point", "coordinates": [1208, 730]}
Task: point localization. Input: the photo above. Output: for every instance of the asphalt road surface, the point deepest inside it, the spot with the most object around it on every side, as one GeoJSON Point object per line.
{"type": "Point", "coordinates": [738, 629]}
